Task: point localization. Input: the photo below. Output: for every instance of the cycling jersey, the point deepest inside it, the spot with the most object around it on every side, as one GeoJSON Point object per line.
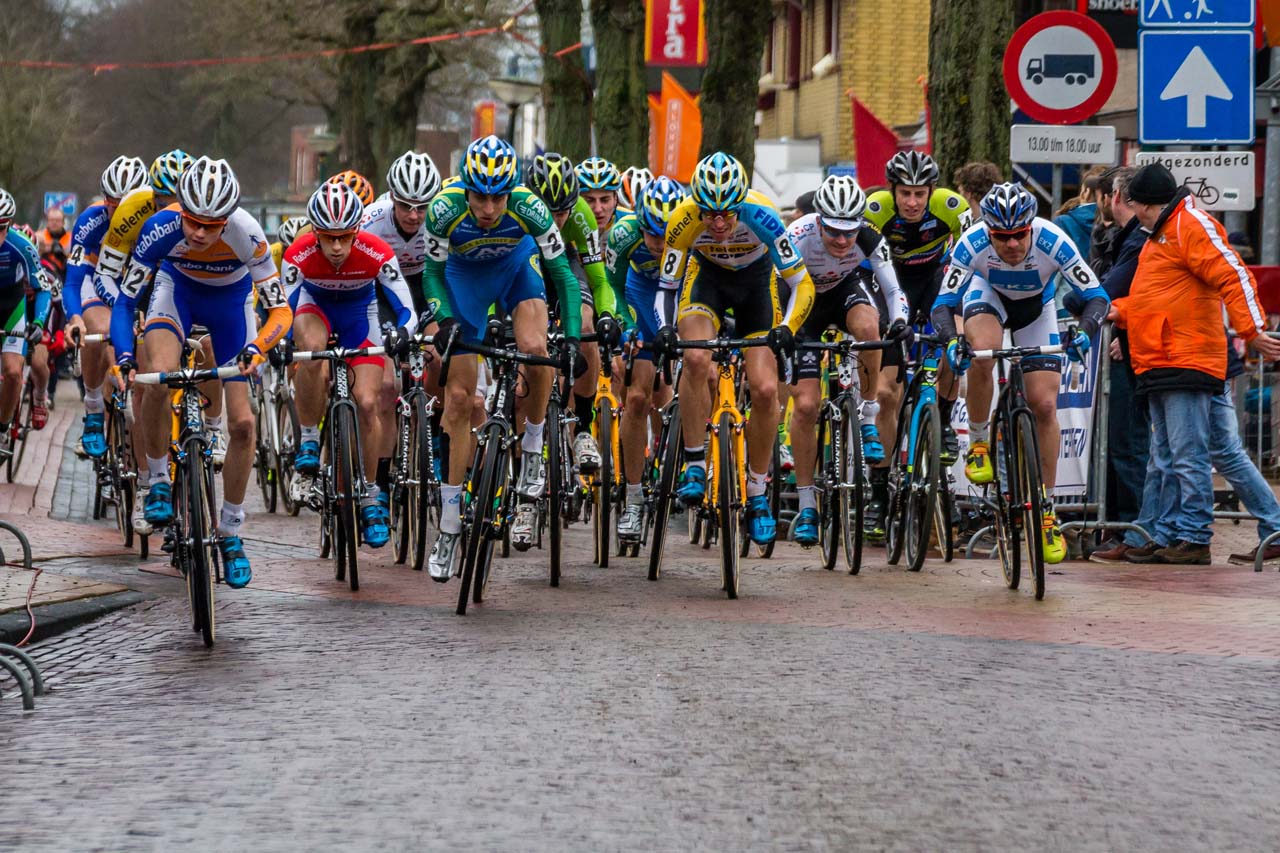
{"type": "Point", "coordinates": [86, 240]}
{"type": "Point", "coordinates": [758, 231]}
{"type": "Point", "coordinates": [919, 248]}
{"type": "Point", "coordinates": [827, 271]}
{"type": "Point", "coordinates": [580, 233]}
{"type": "Point", "coordinates": [19, 269]}
{"type": "Point", "coordinates": [464, 260]}
{"type": "Point", "coordinates": [410, 249]}
{"type": "Point", "coordinates": [633, 273]}
{"type": "Point", "coordinates": [122, 233]}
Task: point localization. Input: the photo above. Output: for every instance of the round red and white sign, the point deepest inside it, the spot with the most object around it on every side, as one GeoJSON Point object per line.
{"type": "Point", "coordinates": [1060, 67]}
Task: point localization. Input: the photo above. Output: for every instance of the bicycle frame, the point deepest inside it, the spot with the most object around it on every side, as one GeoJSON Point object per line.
{"type": "Point", "coordinates": [726, 402]}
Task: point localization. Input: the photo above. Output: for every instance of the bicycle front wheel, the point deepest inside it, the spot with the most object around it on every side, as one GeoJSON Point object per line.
{"type": "Point", "coordinates": [602, 518]}
{"type": "Point", "coordinates": [1008, 515]}
{"type": "Point", "coordinates": [729, 503]}
{"type": "Point", "coordinates": [852, 485]}
{"type": "Point", "coordinates": [484, 507]}
{"type": "Point", "coordinates": [922, 486]}
{"type": "Point", "coordinates": [669, 450]}
{"type": "Point", "coordinates": [1030, 496]}
{"type": "Point", "coordinates": [423, 488]}
{"type": "Point", "coordinates": [344, 461]}
{"type": "Point", "coordinates": [557, 485]}
{"type": "Point", "coordinates": [827, 482]}
{"type": "Point", "coordinates": [195, 535]}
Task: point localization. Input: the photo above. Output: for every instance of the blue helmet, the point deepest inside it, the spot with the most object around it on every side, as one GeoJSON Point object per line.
{"type": "Point", "coordinates": [167, 170]}
{"type": "Point", "coordinates": [489, 167]}
{"type": "Point", "coordinates": [1008, 207]}
{"type": "Point", "coordinates": [719, 183]}
{"type": "Point", "coordinates": [658, 201]}
{"type": "Point", "coordinates": [597, 173]}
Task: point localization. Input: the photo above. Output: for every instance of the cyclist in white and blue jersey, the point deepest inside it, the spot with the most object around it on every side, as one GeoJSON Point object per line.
{"type": "Point", "coordinates": [19, 266]}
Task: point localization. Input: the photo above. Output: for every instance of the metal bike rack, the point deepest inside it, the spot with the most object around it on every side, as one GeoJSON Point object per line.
{"type": "Point", "coordinates": [24, 670]}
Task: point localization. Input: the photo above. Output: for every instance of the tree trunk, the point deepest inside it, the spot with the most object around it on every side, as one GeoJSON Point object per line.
{"type": "Point", "coordinates": [357, 90]}
{"type": "Point", "coordinates": [566, 94]}
{"type": "Point", "coordinates": [621, 104]}
{"type": "Point", "coordinates": [736, 31]}
{"type": "Point", "coordinates": [968, 104]}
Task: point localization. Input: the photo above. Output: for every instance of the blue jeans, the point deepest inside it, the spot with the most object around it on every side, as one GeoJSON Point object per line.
{"type": "Point", "coordinates": [1178, 493]}
{"type": "Point", "coordinates": [1157, 498]}
{"type": "Point", "coordinates": [1230, 459]}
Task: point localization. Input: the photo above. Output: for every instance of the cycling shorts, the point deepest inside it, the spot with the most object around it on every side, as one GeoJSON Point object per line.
{"type": "Point", "coordinates": [475, 286]}
{"type": "Point", "coordinates": [179, 302]}
{"type": "Point", "coordinates": [89, 297]}
{"type": "Point", "coordinates": [1032, 322]}
{"type": "Point", "coordinates": [641, 296]}
{"type": "Point", "coordinates": [751, 293]}
{"type": "Point", "coordinates": [351, 318]}
{"type": "Point", "coordinates": [13, 313]}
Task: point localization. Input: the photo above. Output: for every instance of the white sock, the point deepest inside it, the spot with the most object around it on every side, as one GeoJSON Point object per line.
{"type": "Point", "coordinates": [532, 441]}
{"type": "Point", "coordinates": [807, 497]}
{"type": "Point", "coordinates": [310, 433]}
{"type": "Point", "coordinates": [870, 410]}
{"type": "Point", "coordinates": [93, 404]}
{"type": "Point", "coordinates": [757, 484]}
{"type": "Point", "coordinates": [450, 508]}
{"type": "Point", "coordinates": [232, 518]}
{"type": "Point", "coordinates": [158, 469]}
{"type": "Point", "coordinates": [144, 479]}
{"type": "Point", "coordinates": [635, 494]}
{"type": "Point", "coordinates": [695, 463]}
{"type": "Point", "coordinates": [979, 431]}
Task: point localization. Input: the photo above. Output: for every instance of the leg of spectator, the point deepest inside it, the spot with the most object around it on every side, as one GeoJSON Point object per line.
{"type": "Point", "coordinates": [1228, 455]}
{"type": "Point", "coordinates": [1157, 493]}
{"type": "Point", "coordinates": [1187, 426]}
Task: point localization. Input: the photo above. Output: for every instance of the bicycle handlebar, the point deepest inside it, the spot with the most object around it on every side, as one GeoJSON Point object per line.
{"type": "Point", "coordinates": [182, 378]}
{"type": "Point", "coordinates": [336, 354]}
{"type": "Point", "coordinates": [1019, 352]}
{"type": "Point", "coordinates": [844, 346]}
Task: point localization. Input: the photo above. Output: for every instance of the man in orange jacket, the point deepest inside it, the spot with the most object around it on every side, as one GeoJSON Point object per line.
{"type": "Point", "coordinates": [1186, 274]}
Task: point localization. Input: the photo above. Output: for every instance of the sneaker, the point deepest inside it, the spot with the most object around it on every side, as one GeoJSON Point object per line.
{"type": "Point", "coordinates": [1149, 553]}
{"type": "Point", "coordinates": [806, 528]}
{"type": "Point", "coordinates": [784, 456]}
{"type": "Point", "coordinates": [631, 523]}
{"type": "Point", "coordinates": [94, 440]}
{"type": "Point", "coordinates": [977, 463]}
{"type": "Point", "coordinates": [533, 476]}
{"type": "Point", "coordinates": [873, 522]}
{"type": "Point", "coordinates": [1270, 555]}
{"type": "Point", "coordinates": [307, 460]}
{"type": "Point", "coordinates": [300, 488]}
{"type": "Point", "coordinates": [6, 443]}
{"type": "Point", "coordinates": [440, 563]}
{"type": "Point", "coordinates": [586, 453]}
{"type": "Point", "coordinates": [1114, 553]}
{"type": "Point", "coordinates": [373, 524]}
{"type": "Point", "coordinates": [693, 485]}
{"type": "Point", "coordinates": [141, 526]}
{"type": "Point", "coordinates": [39, 415]}
{"type": "Point", "coordinates": [218, 449]}
{"type": "Point", "coordinates": [760, 524]}
{"type": "Point", "coordinates": [168, 544]}
{"type": "Point", "coordinates": [1055, 547]}
{"type": "Point", "coordinates": [950, 445]}
{"type": "Point", "coordinates": [522, 526]}
{"type": "Point", "coordinates": [235, 565]}
{"type": "Point", "coordinates": [1183, 553]}
{"type": "Point", "coordinates": [872, 449]}
{"type": "Point", "coordinates": [159, 505]}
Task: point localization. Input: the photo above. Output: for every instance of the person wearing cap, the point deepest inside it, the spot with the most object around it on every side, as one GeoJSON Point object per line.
{"type": "Point", "coordinates": [1186, 273]}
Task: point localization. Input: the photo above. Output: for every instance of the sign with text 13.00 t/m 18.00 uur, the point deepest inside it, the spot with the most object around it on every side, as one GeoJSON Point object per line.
{"type": "Point", "coordinates": [1051, 143]}
{"type": "Point", "coordinates": [1060, 67]}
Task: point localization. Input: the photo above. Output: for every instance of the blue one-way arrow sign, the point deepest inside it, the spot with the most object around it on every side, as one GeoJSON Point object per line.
{"type": "Point", "coordinates": [1197, 13]}
{"type": "Point", "coordinates": [1195, 87]}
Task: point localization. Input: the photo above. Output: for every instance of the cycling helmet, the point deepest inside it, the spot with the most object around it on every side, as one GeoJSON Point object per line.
{"type": "Point", "coordinates": [1008, 207]}
{"type": "Point", "coordinates": [719, 183]}
{"type": "Point", "coordinates": [289, 228]}
{"type": "Point", "coordinates": [597, 173]}
{"type": "Point", "coordinates": [8, 207]}
{"type": "Point", "coordinates": [358, 182]}
{"type": "Point", "coordinates": [123, 176]}
{"type": "Point", "coordinates": [167, 170]}
{"type": "Point", "coordinates": [840, 202]}
{"type": "Point", "coordinates": [335, 207]}
{"type": "Point", "coordinates": [209, 189]}
{"type": "Point", "coordinates": [634, 180]}
{"type": "Point", "coordinates": [551, 176]}
{"type": "Point", "coordinates": [489, 167]}
{"type": "Point", "coordinates": [658, 201]}
{"type": "Point", "coordinates": [413, 178]}
{"type": "Point", "coordinates": [912, 168]}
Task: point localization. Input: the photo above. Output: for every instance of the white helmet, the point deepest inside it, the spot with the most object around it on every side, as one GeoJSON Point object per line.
{"type": "Point", "coordinates": [634, 180]}
{"type": "Point", "coordinates": [413, 178]}
{"type": "Point", "coordinates": [8, 207]}
{"type": "Point", "coordinates": [123, 176]}
{"type": "Point", "coordinates": [335, 207]}
{"type": "Point", "coordinates": [289, 228]}
{"type": "Point", "coordinates": [209, 189]}
{"type": "Point", "coordinates": [840, 202]}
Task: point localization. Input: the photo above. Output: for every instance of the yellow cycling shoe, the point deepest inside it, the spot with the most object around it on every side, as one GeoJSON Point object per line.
{"type": "Point", "coordinates": [1055, 547]}
{"type": "Point", "coordinates": [977, 463]}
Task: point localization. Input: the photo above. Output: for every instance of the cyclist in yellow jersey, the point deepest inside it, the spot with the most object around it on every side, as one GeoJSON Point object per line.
{"type": "Point", "coordinates": [741, 248]}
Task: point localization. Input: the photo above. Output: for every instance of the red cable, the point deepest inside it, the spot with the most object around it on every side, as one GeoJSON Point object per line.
{"type": "Point", "coordinates": [30, 613]}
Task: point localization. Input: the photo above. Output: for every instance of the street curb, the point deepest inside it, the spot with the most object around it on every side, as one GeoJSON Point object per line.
{"type": "Point", "coordinates": [54, 619]}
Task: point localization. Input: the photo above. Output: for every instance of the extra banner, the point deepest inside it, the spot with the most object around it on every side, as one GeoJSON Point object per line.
{"type": "Point", "coordinates": [674, 33]}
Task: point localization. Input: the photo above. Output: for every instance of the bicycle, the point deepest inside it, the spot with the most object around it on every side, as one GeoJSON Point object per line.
{"type": "Point", "coordinates": [919, 487]}
{"type": "Point", "coordinates": [415, 489]}
{"type": "Point", "coordinates": [341, 485]}
{"type": "Point", "coordinates": [20, 427]}
{"type": "Point", "coordinates": [841, 475]}
{"type": "Point", "coordinates": [194, 522]}
{"type": "Point", "coordinates": [607, 485]}
{"type": "Point", "coordinates": [279, 433]}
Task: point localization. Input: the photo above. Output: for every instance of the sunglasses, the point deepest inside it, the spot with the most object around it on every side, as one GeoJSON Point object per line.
{"type": "Point", "coordinates": [714, 215]}
{"type": "Point", "coordinates": [406, 207]}
{"type": "Point", "coordinates": [837, 233]}
{"type": "Point", "coordinates": [1010, 236]}
{"type": "Point", "coordinates": [203, 223]}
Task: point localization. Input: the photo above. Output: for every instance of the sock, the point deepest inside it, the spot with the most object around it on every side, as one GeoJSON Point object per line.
{"type": "Point", "coordinates": [870, 410]}
{"type": "Point", "coordinates": [635, 494]}
{"type": "Point", "coordinates": [450, 508]}
{"type": "Point", "coordinates": [532, 441]}
{"type": "Point", "coordinates": [695, 457]}
{"type": "Point", "coordinates": [383, 477]}
{"type": "Point", "coordinates": [93, 404]}
{"type": "Point", "coordinates": [232, 518]}
{"type": "Point", "coordinates": [371, 495]}
{"type": "Point", "coordinates": [584, 408]}
{"type": "Point", "coordinates": [310, 433]}
{"type": "Point", "coordinates": [807, 497]}
{"type": "Point", "coordinates": [158, 469]}
{"type": "Point", "coordinates": [979, 431]}
{"type": "Point", "coordinates": [757, 484]}
{"type": "Point", "coordinates": [144, 479]}
{"type": "Point", "coordinates": [215, 423]}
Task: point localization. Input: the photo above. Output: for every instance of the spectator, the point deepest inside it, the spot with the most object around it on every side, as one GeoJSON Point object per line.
{"type": "Point", "coordinates": [974, 179]}
{"type": "Point", "coordinates": [1173, 313]}
{"type": "Point", "coordinates": [1077, 216]}
{"type": "Point", "coordinates": [1240, 242]}
{"type": "Point", "coordinates": [1103, 242]}
{"type": "Point", "coordinates": [804, 204]}
{"type": "Point", "coordinates": [54, 241]}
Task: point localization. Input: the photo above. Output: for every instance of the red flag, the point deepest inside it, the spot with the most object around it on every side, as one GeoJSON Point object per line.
{"type": "Point", "coordinates": [873, 144]}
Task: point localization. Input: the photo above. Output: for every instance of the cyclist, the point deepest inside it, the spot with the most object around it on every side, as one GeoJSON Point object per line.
{"type": "Point", "coordinates": [631, 259]}
{"type": "Point", "coordinates": [358, 182]}
{"type": "Point", "coordinates": [332, 278]}
{"type": "Point", "coordinates": [484, 234]}
{"type": "Point", "coordinates": [85, 310]}
{"type": "Point", "coordinates": [599, 182]}
{"type": "Point", "coordinates": [632, 184]}
{"type": "Point", "coordinates": [741, 248]}
{"type": "Point", "coordinates": [207, 256]}
{"type": "Point", "coordinates": [1003, 269]}
{"type": "Point", "coordinates": [552, 178]}
{"type": "Point", "coordinates": [919, 221]}
{"type": "Point", "coordinates": [835, 245]}
{"type": "Point", "coordinates": [289, 230]}
{"type": "Point", "coordinates": [19, 266]}
{"type": "Point", "coordinates": [39, 349]}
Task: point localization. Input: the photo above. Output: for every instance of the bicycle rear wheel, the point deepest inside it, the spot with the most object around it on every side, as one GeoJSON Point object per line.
{"type": "Point", "coordinates": [343, 460]}
{"type": "Point", "coordinates": [286, 415]}
{"type": "Point", "coordinates": [263, 463]}
{"type": "Point", "coordinates": [123, 484]}
{"type": "Point", "coordinates": [729, 508]}
{"type": "Point", "coordinates": [1008, 514]}
{"type": "Point", "coordinates": [922, 490]}
{"type": "Point", "coordinates": [403, 472]}
{"type": "Point", "coordinates": [775, 496]}
{"type": "Point", "coordinates": [21, 426]}
{"type": "Point", "coordinates": [852, 484]}
{"type": "Point", "coordinates": [669, 451]}
{"type": "Point", "coordinates": [827, 483]}
{"type": "Point", "coordinates": [1030, 496]}
{"type": "Point", "coordinates": [602, 518]}
{"type": "Point", "coordinates": [557, 486]}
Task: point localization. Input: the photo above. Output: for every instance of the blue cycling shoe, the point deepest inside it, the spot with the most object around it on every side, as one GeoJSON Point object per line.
{"type": "Point", "coordinates": [807, 527]}
{"type": "Point", "coordinates": [374, 526]}
{"type": "Point", "coordinates": [872, 449]}
{"type": "Point", "coordinates": [693, 485]}
{"type": "Point", "coordinates": [235, 565]}
{"type": "Point", "coordinates": [760, 524]}
{"type": "Point", "coordinates": [159, 508]}
{"type": "Point", "coordinates": [307, 459]}
{"type": "Point", "coordinates": [94, 440]}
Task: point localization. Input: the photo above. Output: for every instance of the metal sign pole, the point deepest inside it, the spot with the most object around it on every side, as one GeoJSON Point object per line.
{"type": "Point", "coordinates": [1057, 187]}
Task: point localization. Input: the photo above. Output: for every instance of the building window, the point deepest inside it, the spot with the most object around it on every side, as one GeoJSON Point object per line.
{"type": "Point", "coordinates": [795, 34]}
{"type": "Point", "coordinates": [766, 67]}
{"type": "Point", "coordinates": [831, 28]}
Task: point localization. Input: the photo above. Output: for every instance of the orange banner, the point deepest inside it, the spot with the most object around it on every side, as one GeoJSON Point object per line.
{"type": "Point", "coordinates": [681, 132]}
{"type": "Point", "coordinates": [657, 128]}
{"type": "Point", "coordinates": [484, 119]}
{"type": "Point", "coordinates": [674, 33]}
{"type": "Point", "coordinates": [1271, 21]}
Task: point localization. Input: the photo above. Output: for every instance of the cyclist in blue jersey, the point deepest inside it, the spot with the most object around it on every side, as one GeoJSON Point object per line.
{"type": "Point", "coordinates": [19, 266]}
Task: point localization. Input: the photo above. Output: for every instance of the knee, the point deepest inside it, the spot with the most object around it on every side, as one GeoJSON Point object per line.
{"type": "Point", "coordinates": [865, 328]}
{"type": "Point", "coordinates": [697, 364]}
{"type": "Point", "coordinates": [804, 411]}
{"type": "Point", "coordinates": [240, 427]}
{"type": "Point", "coordinates": [637, 400]}
{"type": "Point", "coordinates": [764, 393]}
{"type": "Point", "coordinates": [12, 373]}
{"type": "Point", "coordinates": [367, 400]}
{"type": "Point", "coordinates": [1045, 409]}
{"type": "Point", "coordinates": [458, 403]}
{"type": "Point", "coordinates": [888, 395]}
{"type": "Point", "coordinates": [532, 343]}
